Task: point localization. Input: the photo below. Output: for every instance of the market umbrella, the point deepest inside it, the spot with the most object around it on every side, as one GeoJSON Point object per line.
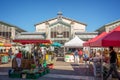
{"type": "Point", "coordinates": [96, 42]}
{"type": "Point", "coordinates": [113, 38]}
{"type": "Point", "coordinates": [44, 45]}
{"type": "Point", "coordinates": [76, 42]}
{"type": "Point", "coordinates": [87, 43]}
{"type": "Point", "coordinates": [109, 39]}
{"type": "Point", "coordinates": [56, 44]}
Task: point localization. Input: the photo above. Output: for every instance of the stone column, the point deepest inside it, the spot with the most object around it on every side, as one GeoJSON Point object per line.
{"type": "Point", "coordinates": [72, 29]}
{"type": "Point", "coordinates": [13, 31]}
{"type": "Point", "coordinates": [47, 30]}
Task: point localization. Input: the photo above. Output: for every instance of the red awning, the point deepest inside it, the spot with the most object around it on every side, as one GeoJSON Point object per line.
{"type": "Point", "coordinates": [97, 41]}
{"type": "Point", "coordinates": [113, 38]}
{"type": "Point", "coordinates": [93, 40]}
{"type": "Point", "coordinates": [87, 43]}
{"type": "Point", "coordinates": [32, 41]}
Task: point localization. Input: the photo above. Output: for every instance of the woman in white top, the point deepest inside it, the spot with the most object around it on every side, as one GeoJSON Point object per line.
{"type": "Point", "coordinates": [96, 62]}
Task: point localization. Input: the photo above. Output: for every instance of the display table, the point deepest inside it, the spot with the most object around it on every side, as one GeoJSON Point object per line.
{"type": "Point", "coordinates": [25, 63]}
{"type": "Point", "coordinates": [69, 58]}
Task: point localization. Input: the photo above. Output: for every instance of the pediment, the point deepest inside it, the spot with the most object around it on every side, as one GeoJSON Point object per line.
{"type": "Point", "coordinates": [51, 21]}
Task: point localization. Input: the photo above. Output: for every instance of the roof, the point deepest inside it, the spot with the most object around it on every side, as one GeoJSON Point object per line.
{"type": "Point", "coordinates": [112, 22]}
{"type": "Point", "coordinates": [63, 18]}
{"type": "Point", "coordinates": [10, 25]}
{"type": "Point", "coordinates": [90, 33]}
{"type": "Point", "coordinates": [30, 35]}
{"type": "Point", "coordinates": [86, 35]}
{"type": "Point", "coordinates": [107, 25]}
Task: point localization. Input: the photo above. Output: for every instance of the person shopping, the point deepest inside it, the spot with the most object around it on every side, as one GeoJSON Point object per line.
{"type": "Point", "coordinates": [18, 58]}
{"type": "Point", "coordinates": [113, 62]}
{"type": "Point", "coordinates": [96, 62]}
{"type": "Point", "coordinates": [76, 56]}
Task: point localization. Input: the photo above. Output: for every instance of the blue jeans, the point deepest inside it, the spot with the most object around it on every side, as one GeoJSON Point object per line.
{"type": "Point", "coordinates": [76, 58]}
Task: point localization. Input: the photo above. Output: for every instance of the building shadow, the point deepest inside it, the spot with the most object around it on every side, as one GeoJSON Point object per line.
{"type": "Point", "coordinates": [82, 69]}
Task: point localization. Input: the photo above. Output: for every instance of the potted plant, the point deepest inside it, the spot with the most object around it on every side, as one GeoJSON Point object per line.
{"type": "Point", "coordinates": [24, 73]}
{"type": "Point", "coordinates": [33, 66]}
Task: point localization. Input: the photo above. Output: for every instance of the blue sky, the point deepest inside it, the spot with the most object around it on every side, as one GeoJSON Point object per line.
{"type": "Point", "coordinates": [26, 13]}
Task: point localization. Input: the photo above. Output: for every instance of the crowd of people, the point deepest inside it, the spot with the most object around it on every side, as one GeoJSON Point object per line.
{"type": "Point", "coordinates": [80, 55]}
{"type": "Point", "coordinates": [97, 57]}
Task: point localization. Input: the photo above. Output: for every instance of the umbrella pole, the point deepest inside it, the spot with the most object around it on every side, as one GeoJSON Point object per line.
{"type": "Point", "coordinates": [64, 50]}
{"type": "Point", "coordinates": [102, 64]}
{"type": "Point", "coordinates": [89, 58]}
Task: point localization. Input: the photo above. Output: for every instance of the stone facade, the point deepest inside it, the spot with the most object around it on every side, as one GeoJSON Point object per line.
{"type": "Point", "coordinates": [60, 29]}
{"type": "Point", "coordinates": [8, 32]}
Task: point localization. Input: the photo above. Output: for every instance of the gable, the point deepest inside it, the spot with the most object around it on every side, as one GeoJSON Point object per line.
{"type": "Point", "coordinates": [64, 19]}
{"type": "Point", "coordinates": [60, 22]}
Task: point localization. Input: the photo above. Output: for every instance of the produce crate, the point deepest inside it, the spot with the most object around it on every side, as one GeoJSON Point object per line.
{"type": "Point", "coordinates": [33, 76]}
{"type": "Point", "coordinates": [41, 74]}
{"type": "Point", "coordinates": [15, 75]}
{"type": "Point", "coordinates": [47, 70]}
{"type": "Point", "coordinates": [44, 72]}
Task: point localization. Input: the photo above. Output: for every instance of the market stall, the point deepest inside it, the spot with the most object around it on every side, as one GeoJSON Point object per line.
{"type": "Point", "coordinates": [49, 54]}
{"type": "Point", "coordinates": [109, 39]}
{"type": "Point", "coordinates": [106, 40]}
{"type": "Point", "coordinates": [33, 64]}
{"type": "Point", "coordinates": [4, 56]}
{"type": "Point", "coordinates": [91, 41]}
{"type": "Point", "coordinates": [76, 42]}
{"type": "Point", "coordinates": [57, 49]}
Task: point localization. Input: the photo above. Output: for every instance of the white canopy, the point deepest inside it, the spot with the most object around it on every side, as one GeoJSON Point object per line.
{"type": "Point", "coordinates": [76, 42]}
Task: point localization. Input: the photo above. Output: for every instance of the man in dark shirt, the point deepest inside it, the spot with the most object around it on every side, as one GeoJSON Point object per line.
{"type": "Point", "coordinates": [113, 61]}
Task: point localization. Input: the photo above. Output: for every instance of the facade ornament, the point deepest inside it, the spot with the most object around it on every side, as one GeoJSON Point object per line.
{"type": "Point", "coordinates": [59, 15]}
{"type": "Point", "coordinates": [47, 23]}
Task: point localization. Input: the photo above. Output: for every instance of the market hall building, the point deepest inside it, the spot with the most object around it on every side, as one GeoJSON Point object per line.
{"type": "Point", "coordinates": [108, 27]}
{"type": "Point", "coordinates": [61, 29]}
{"type": "Point", "coordinates": [8, 33]}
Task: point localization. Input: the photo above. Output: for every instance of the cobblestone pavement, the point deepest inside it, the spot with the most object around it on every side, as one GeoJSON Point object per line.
{"type": "Point", "coordinates": [62, 71]}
